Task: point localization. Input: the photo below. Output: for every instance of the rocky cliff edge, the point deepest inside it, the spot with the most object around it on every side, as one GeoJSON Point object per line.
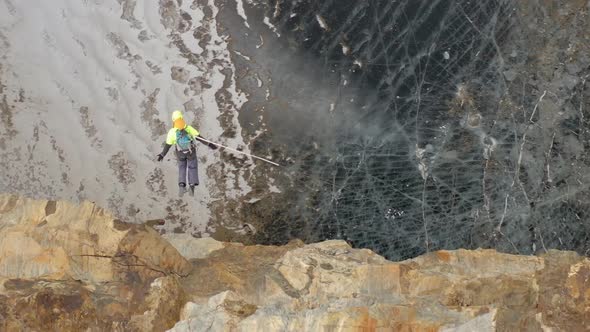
{"type": "Point", "coordinates": [74, 267]}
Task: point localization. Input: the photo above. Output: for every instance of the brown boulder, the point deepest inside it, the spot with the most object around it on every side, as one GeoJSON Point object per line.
{"type": "Point", "coordinates": [61, 240]}
{"type": "Point", "coordinates": [67, 267]}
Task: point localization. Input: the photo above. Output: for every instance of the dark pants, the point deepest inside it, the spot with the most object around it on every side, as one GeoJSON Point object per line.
{"type": "Point", "coordinates": [187, 163]}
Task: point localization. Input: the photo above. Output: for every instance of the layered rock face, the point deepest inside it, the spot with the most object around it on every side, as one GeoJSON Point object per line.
{"type": "Point", "coordinates": [73, 267]}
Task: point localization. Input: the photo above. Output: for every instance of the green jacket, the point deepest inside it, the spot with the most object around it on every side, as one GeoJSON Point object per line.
{"type": "Point", "coordinates": [171, 138]}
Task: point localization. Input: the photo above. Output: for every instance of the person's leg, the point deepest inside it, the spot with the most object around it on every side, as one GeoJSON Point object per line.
{"type": "Point", "coordinates": [193, 172]}
{"type": "Point", "coordinates": [182, 166]}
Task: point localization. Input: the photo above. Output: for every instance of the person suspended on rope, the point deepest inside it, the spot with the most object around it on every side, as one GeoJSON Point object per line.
{"type": "Point", "coordinates": [183, 137]}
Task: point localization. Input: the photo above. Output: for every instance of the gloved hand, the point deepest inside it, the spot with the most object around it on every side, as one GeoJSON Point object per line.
{"type": "Point", "coordinates": [212, 146]}
{"type": "Point", "coordinates": [160, 157]}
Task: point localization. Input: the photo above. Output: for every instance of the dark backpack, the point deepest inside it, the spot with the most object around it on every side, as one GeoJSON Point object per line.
{"type": "Point", "coordinates": [184, 141]}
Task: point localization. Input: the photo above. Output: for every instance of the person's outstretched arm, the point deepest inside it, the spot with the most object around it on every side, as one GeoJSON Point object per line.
{"type": "Point", "coordinates": [210, 145]}
{"type": "Point", "coordinates": [170, 140]}
{"type": "Point", "coordinates": [195, 133]}
{"type": "Point", "coordinates": [162, 154]}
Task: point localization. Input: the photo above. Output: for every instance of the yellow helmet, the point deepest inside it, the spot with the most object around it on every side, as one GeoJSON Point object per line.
{"type": "Point", "coordinates": [178, 120]}
{"type": "Point", "coordinates": [176, 115]}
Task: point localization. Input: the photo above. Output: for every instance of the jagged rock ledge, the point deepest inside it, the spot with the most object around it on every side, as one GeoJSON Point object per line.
{"type": "Point", "coordinates": [73, 267]}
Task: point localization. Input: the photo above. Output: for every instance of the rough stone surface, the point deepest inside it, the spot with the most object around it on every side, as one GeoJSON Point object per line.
{"type": "Point", "coordinates": [325, 286]}
{"type": "Point", "coordinates": [191, 247]}
{"type": "Point", "coordinates": [67, 267]}
{"type": "Point", "coordinates": [221, 312]}
{"type": "Point", "coordinates": [59, 240]}
{"type": "Point", "coordinates": [329, 286]}
{"type": "Point", "coordinates": [164, 302]}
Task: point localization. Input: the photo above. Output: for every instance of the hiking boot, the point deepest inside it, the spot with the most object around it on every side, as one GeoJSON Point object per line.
{"type": "Point", "coordinates": [181, 189]}
{"type": "Point", "coordinates": [192, 190]}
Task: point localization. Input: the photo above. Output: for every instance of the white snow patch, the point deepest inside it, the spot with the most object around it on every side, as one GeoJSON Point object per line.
{"type": "Point", "coordinates": [272, 187]}
{"type": "Point", "coordinates": [422, 167]}
{"type": "Point", "coordinates": [261, 42]}
{"type": "Point", "coordinates": [191, 44]}
{"type": "Point", "coordinates": [277, 10]}
{"type": "Point", "coordinates": [322, 22]}
{"type": "Point", "coordinates": [271, 26]}
{"type": "Point", "coordinates": [345, 49]}
{"type": "Point", "coordinates": [242, 55]}
{"type": "Point", "coordinates": [242, 13]}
